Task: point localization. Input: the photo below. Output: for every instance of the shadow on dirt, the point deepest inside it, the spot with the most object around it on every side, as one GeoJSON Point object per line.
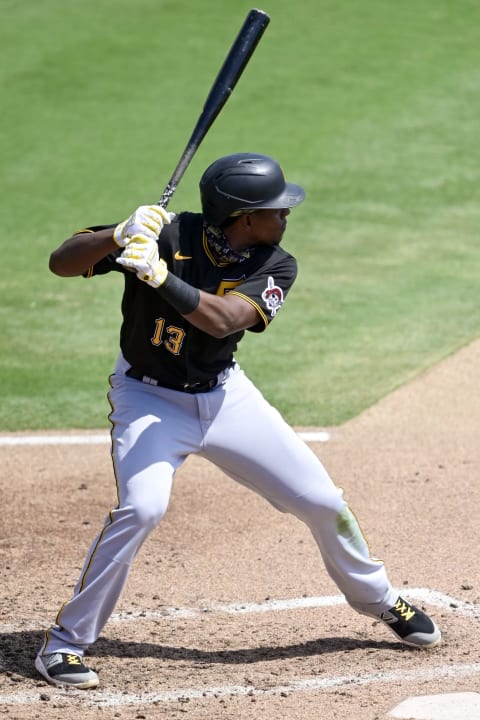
{"type": "Point", "coordinates": [19, 650]}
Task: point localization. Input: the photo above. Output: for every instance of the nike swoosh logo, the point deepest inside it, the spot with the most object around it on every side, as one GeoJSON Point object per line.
{"type": "Point", "coordinates": [179, 256]}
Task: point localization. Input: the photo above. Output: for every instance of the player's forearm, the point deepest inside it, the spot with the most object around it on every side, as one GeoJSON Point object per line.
{"type": "Point", "coordinates": [222, 316]}
{"type": "Point", "coordinates": [80, 252]}
{"type": "Point", "coordinates": [215, 315]}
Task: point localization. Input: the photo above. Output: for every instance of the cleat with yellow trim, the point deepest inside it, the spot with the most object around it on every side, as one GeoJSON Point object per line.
{"type": "Point", "coordinates": [66, 670]}
{"type": "Point", "coordinates": [411, 625]}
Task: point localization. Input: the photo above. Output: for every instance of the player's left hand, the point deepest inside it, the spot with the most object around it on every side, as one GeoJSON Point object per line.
{"type": "Point", "coordinates": [147, 220]}
{"type": "Point", "coordinates": [141, 255]}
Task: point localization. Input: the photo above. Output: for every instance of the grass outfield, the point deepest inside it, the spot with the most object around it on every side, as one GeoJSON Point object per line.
{"type": "Point", "coordinates": [372, 106]}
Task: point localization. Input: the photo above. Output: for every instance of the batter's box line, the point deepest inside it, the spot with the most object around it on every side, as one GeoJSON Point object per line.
{"type": "Point", "coordinates": [426, 595]}
{"type": "Point", "coordinates": [431, 597]}
{"type": "Point", "coordinates": [13, 439]}
{"type": "Point", "coordinates": [319, 684]}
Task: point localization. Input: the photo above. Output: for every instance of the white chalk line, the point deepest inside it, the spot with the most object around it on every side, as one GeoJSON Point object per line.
{"type": "Point", "coordinates": [6, 440]}
{"type": "Point", "coordinates": [54, 439]}
{"type": "Point", "coordinates": [106, 699]}
{"type": "Point", "coordinates": [232, 608]}
{"type": "Point", "coordinates": [431, 597]}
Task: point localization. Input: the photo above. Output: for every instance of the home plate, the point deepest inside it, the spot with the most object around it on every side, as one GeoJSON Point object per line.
{"type": "Point", "coordinates": [453, 706]}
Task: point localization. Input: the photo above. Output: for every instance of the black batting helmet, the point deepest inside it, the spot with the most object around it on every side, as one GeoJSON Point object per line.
{"type": "Point", "coordinates": [242, 182]}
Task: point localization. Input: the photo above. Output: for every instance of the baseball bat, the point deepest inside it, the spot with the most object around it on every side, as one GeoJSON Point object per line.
{"type": "Point", "coordinates": [238, 56]}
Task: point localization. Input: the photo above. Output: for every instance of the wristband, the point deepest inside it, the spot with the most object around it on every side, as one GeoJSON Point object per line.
{"type": "Point", "coordinates": [179, 294]}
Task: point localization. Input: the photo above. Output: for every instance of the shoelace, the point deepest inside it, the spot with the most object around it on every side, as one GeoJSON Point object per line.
{"type": "Point", "coordinates": [73, 660]}
{"type": "Point", "coordinates": [405, 611]}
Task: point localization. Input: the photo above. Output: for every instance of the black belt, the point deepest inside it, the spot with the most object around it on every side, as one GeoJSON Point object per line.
{"type": "Point", "coordinates": [187, 388]}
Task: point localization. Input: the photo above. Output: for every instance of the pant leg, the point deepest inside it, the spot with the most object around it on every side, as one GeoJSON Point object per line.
{"type": "Point", "coordinates": [250, 441]}
{"type": "Point", "coordinates": [146, 450]}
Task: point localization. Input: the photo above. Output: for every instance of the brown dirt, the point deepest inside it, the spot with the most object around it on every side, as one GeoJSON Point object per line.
{"type": "Point", "coordinates": [409, 467]}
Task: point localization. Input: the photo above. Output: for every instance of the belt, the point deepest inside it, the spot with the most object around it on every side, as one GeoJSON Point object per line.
{"type": "Point", "coordinates": [186, 387]}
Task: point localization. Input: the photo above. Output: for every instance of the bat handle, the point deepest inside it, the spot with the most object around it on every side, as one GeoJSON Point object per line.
{"type": "Point", "coordinates": [179, 171]}
{"type": "Point", "coordinates": [166, 195]}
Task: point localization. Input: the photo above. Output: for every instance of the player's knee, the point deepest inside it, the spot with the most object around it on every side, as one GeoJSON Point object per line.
{"type": "Point", "coordinates": [149, 513]}
{"type": "Point", "coordinates": [318, 502]}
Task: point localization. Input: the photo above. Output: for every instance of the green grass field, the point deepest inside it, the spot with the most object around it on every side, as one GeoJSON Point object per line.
{"type": "Point", "coordinates": [372, 106]}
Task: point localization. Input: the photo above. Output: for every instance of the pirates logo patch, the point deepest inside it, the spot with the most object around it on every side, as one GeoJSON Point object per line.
{"type": "Point", "coordinates": [273, 297]}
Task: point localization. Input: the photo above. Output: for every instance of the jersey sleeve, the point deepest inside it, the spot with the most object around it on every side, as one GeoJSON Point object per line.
{"type": "Point", "coordinates": [267, 288]}
{"type": "Point", "coordinates": [106, 264]}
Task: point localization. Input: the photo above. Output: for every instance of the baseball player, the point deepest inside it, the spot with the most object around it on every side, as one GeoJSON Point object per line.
{"type": "Point", "coordinates": [194, 283]}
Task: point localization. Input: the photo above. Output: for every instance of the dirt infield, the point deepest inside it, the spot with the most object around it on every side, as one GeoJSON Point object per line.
{"type": "Point", "coordinates": [228, 612]}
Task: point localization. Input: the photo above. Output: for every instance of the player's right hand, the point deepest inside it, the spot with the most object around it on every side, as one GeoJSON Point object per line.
{"type": "Point", "coordinates": [147, 220]}
{"type": "Point", "coordinates": [141, 256]}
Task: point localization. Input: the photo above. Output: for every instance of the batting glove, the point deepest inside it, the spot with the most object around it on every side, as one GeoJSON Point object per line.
{"type": "Point", "coordinates": [141, 256]}
{"type": "Point", "coordinates": [147, 220]}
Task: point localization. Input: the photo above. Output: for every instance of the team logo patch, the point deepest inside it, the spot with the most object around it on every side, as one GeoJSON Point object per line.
{"type": "Point", "coordinates": [273, 296]}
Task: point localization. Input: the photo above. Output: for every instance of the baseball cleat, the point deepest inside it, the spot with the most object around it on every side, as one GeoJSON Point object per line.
{"type": "Point", "coordinates": [66, 670]}
{"type": "Point", "coordinates": [411, 625]}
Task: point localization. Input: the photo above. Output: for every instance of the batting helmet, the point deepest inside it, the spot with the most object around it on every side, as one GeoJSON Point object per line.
{"type": "Point", "coordinates": [242, 182]}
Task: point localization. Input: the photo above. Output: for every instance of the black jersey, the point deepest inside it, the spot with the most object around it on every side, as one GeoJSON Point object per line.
{"type": "Point", "coordinates": [156, 340]}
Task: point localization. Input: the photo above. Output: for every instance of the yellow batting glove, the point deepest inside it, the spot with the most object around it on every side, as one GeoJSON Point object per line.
{"type": "Point", "coordinates": [147, 220]}
{"type": "Point", "coordinates": [141, 256]}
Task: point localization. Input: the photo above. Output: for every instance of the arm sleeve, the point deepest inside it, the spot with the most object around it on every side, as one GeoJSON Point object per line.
{"type": "Point", "coordinates": [267, 289]}
{"type": "Point", "coordinates": [106, 264]}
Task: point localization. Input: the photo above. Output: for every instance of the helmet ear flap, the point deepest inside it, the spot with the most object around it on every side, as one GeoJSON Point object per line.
{"type": "Point", "coordinates": [242, 182]}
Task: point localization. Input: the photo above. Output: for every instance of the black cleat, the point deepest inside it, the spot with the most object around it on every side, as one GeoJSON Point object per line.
{"type": "Point", "coordinates": [66, 670]}
{"type": "Point", "coordinates": [411, 625]}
